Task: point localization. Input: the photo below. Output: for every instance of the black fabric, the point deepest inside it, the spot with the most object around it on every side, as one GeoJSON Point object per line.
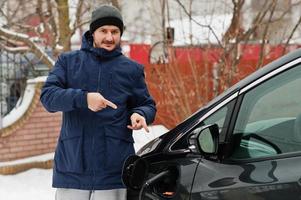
{"type": "Point", "coordinates": [106, 21]}
{"type": "Point", "coordinates": [135, 170]}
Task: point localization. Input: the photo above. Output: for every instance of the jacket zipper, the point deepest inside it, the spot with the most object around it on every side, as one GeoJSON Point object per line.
{"type": "Point", "coordinates": [98, 80]}
{"type": "Point", "coordinates": [93, 169]}
{"type": "Point", "coordinates": [110, 81]}
{"type": "Point", "coordinates": [93, 141]}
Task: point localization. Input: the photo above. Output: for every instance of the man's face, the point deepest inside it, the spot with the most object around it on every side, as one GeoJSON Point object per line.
{"type": "Point", "coordinates": [107, 37]}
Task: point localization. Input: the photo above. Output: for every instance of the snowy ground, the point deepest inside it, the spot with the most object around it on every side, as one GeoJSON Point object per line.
{"type": "Point", "coordinates": [36, 183]}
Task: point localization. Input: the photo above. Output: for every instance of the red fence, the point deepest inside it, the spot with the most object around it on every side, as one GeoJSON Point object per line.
{"type": "Point", "coordinates": [187, 80]}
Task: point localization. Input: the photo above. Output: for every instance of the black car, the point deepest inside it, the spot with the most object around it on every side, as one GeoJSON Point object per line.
{"type": "Point", "coordinates": [244, 144]}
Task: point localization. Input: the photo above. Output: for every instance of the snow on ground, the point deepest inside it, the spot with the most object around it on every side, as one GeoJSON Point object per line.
{"type": "Point", "coordinates": [36, 183]}
{"type": "Point", "coordinates": [28, 185]}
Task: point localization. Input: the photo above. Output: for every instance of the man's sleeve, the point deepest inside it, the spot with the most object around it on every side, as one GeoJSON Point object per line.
{"type": "Point", "coordinates": [141, 100]}
{"type": "Point", "coordinates": [55, 96]}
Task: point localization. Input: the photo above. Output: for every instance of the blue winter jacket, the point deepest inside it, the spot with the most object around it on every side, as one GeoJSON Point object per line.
{"type": "Point", "coordinates": [92, 146]}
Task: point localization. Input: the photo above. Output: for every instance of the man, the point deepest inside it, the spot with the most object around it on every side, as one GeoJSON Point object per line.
{"type": "Point", "coordinates": [103, 97]}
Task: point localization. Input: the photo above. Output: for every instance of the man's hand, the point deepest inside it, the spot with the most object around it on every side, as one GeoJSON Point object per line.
{"type": "Point", "coordinates": [97, 102]}
{"type": "Point", "coordinates": [138, 122]}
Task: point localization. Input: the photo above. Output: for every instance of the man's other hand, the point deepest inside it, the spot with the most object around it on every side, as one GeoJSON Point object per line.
{"type": "Point", "coordinates": [138, 122]}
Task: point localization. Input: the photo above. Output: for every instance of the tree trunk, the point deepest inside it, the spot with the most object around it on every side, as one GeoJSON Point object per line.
{"type": "Point", "coordinates": [64, 28]}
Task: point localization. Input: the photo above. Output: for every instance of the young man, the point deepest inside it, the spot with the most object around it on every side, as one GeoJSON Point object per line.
{"type": "Point", "coordinates": [103, 97]}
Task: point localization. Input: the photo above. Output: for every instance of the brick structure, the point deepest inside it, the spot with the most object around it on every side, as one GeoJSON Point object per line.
{"type": "Point", "coordinates": [35, 133]}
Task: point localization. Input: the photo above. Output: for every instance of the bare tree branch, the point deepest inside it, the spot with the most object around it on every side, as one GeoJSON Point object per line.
{"type": "Point", "coordinates": [78, 19]}
{"type": "Point", "coordinates": [116, 4]}
{"type": "Point", "coordinates": [235, 26]}
{"type": "Point", "coordinates": [10, 16]}
{"type": "Point", "coordinates": [291, 35]}
{"type": "Point", "coordinates": [44, 21]}
{"type": "Point", "coordinates": [29, 43]}
{"type": "Point", "coordinates": [15, 49]}
{"type": "Point", "coordinates": [265, 32]}
{"type": "Point", "coordinates": [52, 23]}
{"type": "Point", "coordinates": [78, 15]}
{"type": "Point", "coordinates": [202, 25]}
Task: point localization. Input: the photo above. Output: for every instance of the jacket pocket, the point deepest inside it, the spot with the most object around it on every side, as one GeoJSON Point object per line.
{"type": "Point", "coordinates": [69, 152]}
{"type": "Point", "coordinates": [122, 133]}
{"type": "Point", "coordinates": [117, 151]}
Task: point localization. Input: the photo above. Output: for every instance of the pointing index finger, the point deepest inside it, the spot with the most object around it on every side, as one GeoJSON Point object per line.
{"type": "Point", "coordinates": [111, 104]}
{"type": "Point", "coordinates": [145, 127]}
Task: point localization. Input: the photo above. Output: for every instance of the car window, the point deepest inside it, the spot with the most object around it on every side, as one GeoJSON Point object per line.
{"type": "Point", "coordinates": [220, 117]}
{"type": "Point", "coordinates": [269, 120]}
{"type": "Point", "coordinates": [217, 117]}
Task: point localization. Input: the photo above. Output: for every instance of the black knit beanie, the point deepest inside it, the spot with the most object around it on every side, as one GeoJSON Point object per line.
{"type": "Point", "coordinates": [106, 15]}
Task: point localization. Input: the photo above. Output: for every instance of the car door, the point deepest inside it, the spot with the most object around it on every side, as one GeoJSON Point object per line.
{"type": "Point", "coordinates": [262, 154]}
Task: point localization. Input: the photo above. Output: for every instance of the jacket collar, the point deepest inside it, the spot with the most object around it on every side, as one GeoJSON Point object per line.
{"type": "Point", "coordinates": [87, 45]}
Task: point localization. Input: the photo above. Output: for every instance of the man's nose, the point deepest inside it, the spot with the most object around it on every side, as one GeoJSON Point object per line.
{"type": "Point", "coordinates": [109, 36]}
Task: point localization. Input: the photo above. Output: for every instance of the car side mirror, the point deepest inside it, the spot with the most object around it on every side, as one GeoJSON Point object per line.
{"type": "Point", "coordinates": [205, 140]}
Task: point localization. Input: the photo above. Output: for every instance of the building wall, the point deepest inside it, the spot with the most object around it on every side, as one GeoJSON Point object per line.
{"type": "Point", "coordinates": [36, 133]}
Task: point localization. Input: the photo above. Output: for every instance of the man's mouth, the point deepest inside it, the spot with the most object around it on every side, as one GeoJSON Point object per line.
{"type": "Point", "coordinates": [108, 43]}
